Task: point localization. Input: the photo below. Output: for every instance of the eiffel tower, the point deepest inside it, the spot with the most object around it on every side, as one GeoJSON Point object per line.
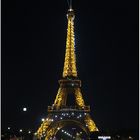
{"type": "Point", "coordinates": [65, 113]}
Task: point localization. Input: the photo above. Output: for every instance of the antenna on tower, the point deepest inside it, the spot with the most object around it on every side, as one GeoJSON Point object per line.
{"type": "Point", "coordinates": [69, 4]}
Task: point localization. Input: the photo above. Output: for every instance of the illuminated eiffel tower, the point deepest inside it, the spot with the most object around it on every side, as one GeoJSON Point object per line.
{"type": "Point", "coordinates": [62, 114]}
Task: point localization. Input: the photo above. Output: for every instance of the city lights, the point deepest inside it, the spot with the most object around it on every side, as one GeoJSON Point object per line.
{"type": "Point", "coordinates": [104, 137]}
{"type": "Point", "coordinates": [65, 132]}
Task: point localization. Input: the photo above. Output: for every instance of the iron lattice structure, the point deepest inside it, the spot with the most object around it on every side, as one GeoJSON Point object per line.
{"type": "Point", "coordinates": [60, 114]}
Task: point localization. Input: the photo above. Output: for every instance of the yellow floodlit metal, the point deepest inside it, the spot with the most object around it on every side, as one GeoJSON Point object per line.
{"type": "Point", "coordinates": [79, 98]}
{"type": "Point", "coordinates": [90, 123]}
{"type": "Point", "coordinates": [59, 98]}
{"type": "Point", "coordinates": [70, 59]}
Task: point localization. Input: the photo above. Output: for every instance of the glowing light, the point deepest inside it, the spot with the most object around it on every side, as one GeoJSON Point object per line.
{"type": "Point", "coordinates": [20, 130]}
{"type": "Point", "coordinates": [130, 137]}
{"type": "Point", "coordinates": [104, 137]}
{"type": "Point", "coordinates": [35, 134]}
{"type": "Point", "coordinates": [29, 132]}
{"type": "Point", "coordinates": [24, 109]}
{"type": "Point", "coordinates": [9, 128]}
{"type": "Point", "coordinates": [42, 119]}
{"type": "Point", "coordinates": [118, 136]}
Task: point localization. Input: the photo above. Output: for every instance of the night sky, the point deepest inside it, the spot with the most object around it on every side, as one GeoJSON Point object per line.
{"type": "Point", "coordinates": [33, 48]}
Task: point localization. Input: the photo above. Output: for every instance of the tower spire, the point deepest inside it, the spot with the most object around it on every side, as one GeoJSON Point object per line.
{"type": "Point", "coordinates": [70, 69]}
{"type": "Point", "coordinates": [70, 4]}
